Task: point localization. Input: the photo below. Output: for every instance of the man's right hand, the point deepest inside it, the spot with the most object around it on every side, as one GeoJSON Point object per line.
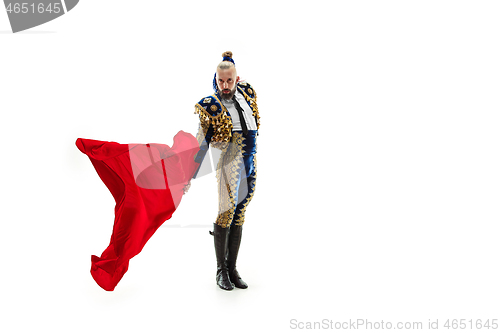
{"type": "Point", "coordinates": [186, 188]}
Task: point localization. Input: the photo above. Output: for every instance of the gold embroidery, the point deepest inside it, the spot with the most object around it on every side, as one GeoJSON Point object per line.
{"type": "Point", "coordinates": [202, 132]}
{"type": "Point", "coordinates": [213, 107]}
{"type": "Point", "coordinates": [241, 216]}
{"type": "Point", "coordinates": [228, 171]}
{"type": "Point", "coordinates": [253, 105]}
{"type": "Point", "coordinates": [250, 91]}
{"type": "Point", "coordinates": [218, 100]}
{"type": "Point", "coordinates": [221, 123]}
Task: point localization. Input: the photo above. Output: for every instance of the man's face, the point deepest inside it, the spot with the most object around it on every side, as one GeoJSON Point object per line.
{"type": "Point", "coordinates": [226, 82]}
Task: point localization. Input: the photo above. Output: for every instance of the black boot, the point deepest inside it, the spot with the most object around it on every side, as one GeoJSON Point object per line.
{"type": "Point", "coordinates": [233, 247]}
{"type": "Point", "coordinates": [221, 241]}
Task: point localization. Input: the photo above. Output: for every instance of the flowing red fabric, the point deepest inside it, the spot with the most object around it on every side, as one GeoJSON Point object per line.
{"type": "Point", "coordinates": [147, 182]}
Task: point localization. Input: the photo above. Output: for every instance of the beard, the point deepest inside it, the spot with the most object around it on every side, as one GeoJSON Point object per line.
{"type": "Point", "coordinates": [227, 95]}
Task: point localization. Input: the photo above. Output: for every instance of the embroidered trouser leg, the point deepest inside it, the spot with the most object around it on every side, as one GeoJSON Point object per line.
{"type": "Point", "coordinates": [236, 178]}
{"type": "Point", "coordinates": [246, 189]}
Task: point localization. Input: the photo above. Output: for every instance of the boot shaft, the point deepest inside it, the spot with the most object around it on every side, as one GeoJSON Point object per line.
{"type": "Point", "coordinates": [234, 241]}
{"type": "Point", "coordinates": [221, 238]}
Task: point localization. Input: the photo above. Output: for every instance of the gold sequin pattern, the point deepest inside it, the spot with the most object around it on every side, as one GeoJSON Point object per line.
{"type": "Point", "coordinates": [202, 129]}
{"type": "Point", "coordinates": [221, 123]}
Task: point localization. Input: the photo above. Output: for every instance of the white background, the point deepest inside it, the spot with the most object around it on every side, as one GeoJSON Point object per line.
{"type": "Point", "coordinates": [378, 183]}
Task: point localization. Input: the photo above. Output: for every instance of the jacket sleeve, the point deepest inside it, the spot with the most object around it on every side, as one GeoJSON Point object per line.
{"type": "Point", "coordinates": [204, 136]}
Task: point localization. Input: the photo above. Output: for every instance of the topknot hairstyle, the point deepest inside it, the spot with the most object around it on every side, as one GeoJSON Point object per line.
{"type": "Point", "coordinates": [227, 62]}
{"type": "Point", "coordinates": [228, 54]}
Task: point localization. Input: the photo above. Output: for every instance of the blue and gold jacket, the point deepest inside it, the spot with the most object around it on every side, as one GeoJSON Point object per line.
{"type": "Point", "coordinates": [216, 126]}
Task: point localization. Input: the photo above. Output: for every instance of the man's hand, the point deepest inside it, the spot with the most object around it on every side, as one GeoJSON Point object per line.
{"type": "Point", "coordinates": [186, 188]}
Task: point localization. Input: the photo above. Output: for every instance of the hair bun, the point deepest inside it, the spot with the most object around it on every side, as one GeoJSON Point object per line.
{"type": "Point", "coordinates": [227, 54]}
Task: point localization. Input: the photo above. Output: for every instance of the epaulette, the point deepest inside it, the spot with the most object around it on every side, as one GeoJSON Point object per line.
{"type": "Point", "coordinates": [247, 88]}
{"type": "Point", "coordinates": [210, 112]}
{"type": "Point", "coordinates": [210, 106]}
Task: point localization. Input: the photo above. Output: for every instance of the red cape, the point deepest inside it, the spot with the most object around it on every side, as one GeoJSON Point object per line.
{"type": "Point", "coordinates": [147, 182]}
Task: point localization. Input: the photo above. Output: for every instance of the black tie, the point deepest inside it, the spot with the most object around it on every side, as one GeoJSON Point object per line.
{"type": "Point", "coordinates": [240, 113]}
